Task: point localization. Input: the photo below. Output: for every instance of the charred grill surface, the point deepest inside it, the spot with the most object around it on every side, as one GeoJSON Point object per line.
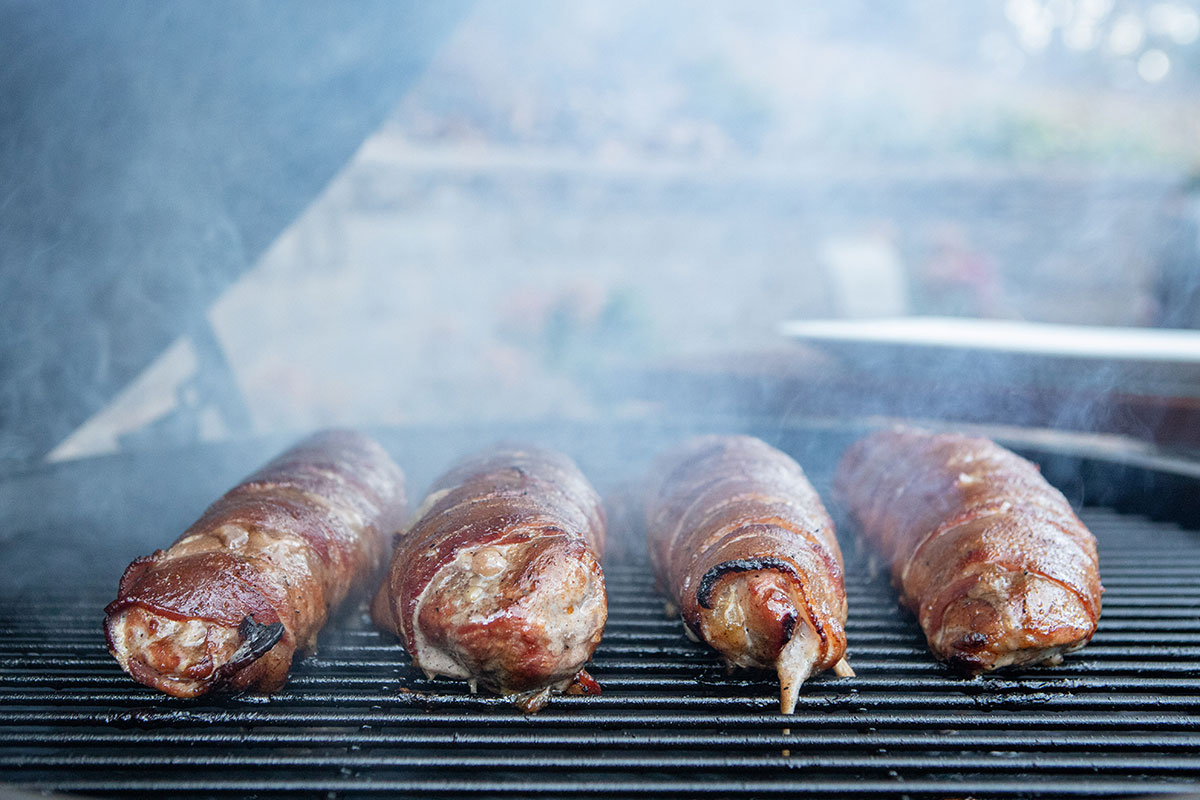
{"type": "Point", "coordinates": [1118, 718]}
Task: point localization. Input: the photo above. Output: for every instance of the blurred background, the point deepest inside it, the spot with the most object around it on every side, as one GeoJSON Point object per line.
{"type": "Point", "coordinates": [222, 220]}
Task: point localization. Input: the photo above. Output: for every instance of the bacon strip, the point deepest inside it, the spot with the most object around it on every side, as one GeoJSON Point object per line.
{"type": "Point", "coordinates": [742, 544]}
{"type": "Point", "coordinates": [989, 556]}
{"type": "Point", "coordinates": [498, 582]}
{"type": "Point", "coordinates": [252, 581]}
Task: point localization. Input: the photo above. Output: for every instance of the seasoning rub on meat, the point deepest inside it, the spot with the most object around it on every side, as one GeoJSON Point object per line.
{"type": "Point", "coordinates": [987, 554]}
{"type": "Point", "coordinates": [252, 581]}
{"type": "Point", "coordinates": [498, 581]}
{"type": "Point", "coordinates": [742, 544]}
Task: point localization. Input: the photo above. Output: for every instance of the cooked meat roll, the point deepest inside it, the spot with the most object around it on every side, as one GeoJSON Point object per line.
{"type": "Point", "coordinates": [742, 544]}
{"type": "Point", "coordinates": [987, 554]}
{"type": "Point", "coordinates": [498, 580]}
{"type": "Point", "coordinates": [251, 582]}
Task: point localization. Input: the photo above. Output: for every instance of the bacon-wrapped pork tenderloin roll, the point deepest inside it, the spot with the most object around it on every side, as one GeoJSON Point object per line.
{"type": "Point", "coordinates": [987, 554]}
{"type": "Point", "coordinates": [742, 544]}
{"type": "Point", "coordinates": [252, 581]}
{"type": "Point", "coordinates": [498, 580]}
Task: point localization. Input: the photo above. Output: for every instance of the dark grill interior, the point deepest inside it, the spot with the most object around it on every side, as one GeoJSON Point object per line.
{"type": "Point", "coordinates": [1121, 717]}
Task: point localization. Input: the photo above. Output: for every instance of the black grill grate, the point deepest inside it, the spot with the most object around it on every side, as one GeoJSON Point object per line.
{"type": "Point", "coordinates": [1121, 717]}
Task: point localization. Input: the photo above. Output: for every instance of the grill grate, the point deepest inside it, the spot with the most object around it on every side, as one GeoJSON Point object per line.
{"type": "Point", "coordinates": [1120, 717]}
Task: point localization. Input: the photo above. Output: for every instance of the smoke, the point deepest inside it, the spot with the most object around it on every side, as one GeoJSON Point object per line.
{"type": "Point", "coordinates": [562, 199]}
{"type": "Point", "coordinates": [148, 154]}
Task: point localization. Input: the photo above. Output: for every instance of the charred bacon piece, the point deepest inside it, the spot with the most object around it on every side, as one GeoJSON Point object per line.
{"type": "Point", "coordinates": [987, 554]}
{"type": "Point", "coordinates": [498, 581]}
{"type": "Point", "coordinates": [252, 581]}
{"type": "Point", "coordinates": [742, 544]}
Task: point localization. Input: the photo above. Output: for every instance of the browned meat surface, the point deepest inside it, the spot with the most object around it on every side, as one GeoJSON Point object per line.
{"type": "Point", "coordinates": [498, 580]}
{"type": "Point", "coordinates": [252, 581]}
{"type": "Point", "coordinates": [987, 554]}
{"type": "Point", "coordinates": [742, 544]}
